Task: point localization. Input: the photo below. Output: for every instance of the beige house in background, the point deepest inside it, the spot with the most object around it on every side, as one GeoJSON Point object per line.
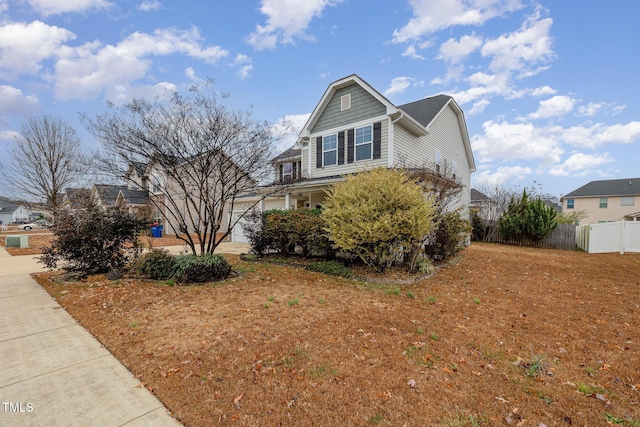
{"type": "Point", "coordinates": [605, 201]}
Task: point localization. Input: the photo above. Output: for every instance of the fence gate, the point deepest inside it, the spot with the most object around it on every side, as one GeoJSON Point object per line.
{"type": "Point", "coordinates": [622, 236]}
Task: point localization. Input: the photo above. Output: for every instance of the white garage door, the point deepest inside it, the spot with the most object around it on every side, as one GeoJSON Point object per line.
{"type": "Point", "coordinates": [238, 235]}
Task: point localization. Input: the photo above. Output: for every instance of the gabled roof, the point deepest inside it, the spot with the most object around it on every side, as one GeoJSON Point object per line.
{"type": "Point", "coordinates": [134, 197]}
{"type": "Point", "coordinates": [290, 153]}
{"type": "Point", "coordinates": [108, 193]}
{"type": "Point", "coordinates": [478, 196]}
{"type": "Point", "coordinates": [606, 188]}
{"type": "Point", "coordinates": [77, 197]}
{"type": "Point", "coordinates": [427, 109]}
{"type": "Point", "coordinates": [7, 209]}
{"type": "Point", "coordinates": [140, 167]}
{"type": "Point", "coordinates": [416, 116]}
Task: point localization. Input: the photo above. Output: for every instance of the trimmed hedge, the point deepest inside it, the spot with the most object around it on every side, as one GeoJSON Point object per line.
{"type": "Point", "coordinates": [333, 268]}
{"type": "Point", "coordinates": [201, 269]}
{"type": "Point", "coordinates": [157, 264]}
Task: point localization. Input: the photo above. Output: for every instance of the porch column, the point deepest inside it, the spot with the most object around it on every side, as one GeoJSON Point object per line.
{"type": "Point", "coordinates": [287, 201]}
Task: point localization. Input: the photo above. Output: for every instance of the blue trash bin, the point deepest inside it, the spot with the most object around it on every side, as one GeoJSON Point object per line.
{"type": "Point", "coordinates": [160, 228]}
{"type": "Point", "coordinates": [154, 231]}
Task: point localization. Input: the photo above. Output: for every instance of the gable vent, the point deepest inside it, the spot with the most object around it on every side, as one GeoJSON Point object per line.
{"type": "Point", "coordinates": [345, 102]}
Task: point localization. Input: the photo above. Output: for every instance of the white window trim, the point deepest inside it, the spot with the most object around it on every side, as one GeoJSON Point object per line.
{"type": "Point", "coordinates": [606, 202]}
{"type": "Point", "coordinates": [284, 173]}
{"type": "Point", "coordinates": [438, 159]}
{"type": "Point", "coordinates": [345, 102]}
{"type": "Point", "coordinates": [328, 151]}
{"type": "Point", "coordinates": [356, 145]}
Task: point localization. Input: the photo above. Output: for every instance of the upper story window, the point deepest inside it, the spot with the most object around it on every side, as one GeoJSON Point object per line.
{"type": "Point", "coordinates": [438, 160]}
{"type": "Point", "coordinates": [330, 150]}
{"type": "Point", "coordinates": [345, 102]}
{"type": "Point", "coordinates": [364, 143]}
{"type": "Point", "coordinates": [454, 169]}
{"type": "Point", "coordinates": [570, 203]}
{"type": "Point", "coordinates": [627, 201]}
{"type": "Point", "coordinates": [156, 184]}
{"type": "Point", "coordinates": [604, 201]}
{"type": "Point", "coordinates": [287, 171]}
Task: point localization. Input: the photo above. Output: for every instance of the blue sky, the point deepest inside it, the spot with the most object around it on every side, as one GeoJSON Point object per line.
{"type": "Point", "coordinates": [549, 89]}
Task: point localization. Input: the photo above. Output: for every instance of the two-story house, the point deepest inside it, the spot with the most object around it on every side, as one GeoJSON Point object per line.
{"type": "Point", "coordinates": [605, 201]}
{"type": "Point", "coordinates": [353, 128]}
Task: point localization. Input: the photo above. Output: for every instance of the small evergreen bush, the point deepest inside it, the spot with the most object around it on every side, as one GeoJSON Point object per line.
{"type": "Point", "coordinates": [449, 236]}
{"type": "Point", "coordinates": [157, 264]}
{"type": "Point", "coordinates": [200, 269]}
{"type": "Point", "coordinates": [425, 266]}
{"type": "Point", "coordinates": [333, 268]}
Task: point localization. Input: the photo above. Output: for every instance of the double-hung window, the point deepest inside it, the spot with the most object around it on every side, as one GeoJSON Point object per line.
{"type": "Point", "coordinates": [570, 203]}
{"type": "Point", "coordinates": [604, 201]}
{"type": "Point", "coordinates": [330, 150]}
{"type": "Point", "coordinates": [364, 143]}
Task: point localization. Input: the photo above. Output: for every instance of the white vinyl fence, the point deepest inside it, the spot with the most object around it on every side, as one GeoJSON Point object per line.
{"type": "Point", "coordinates": [622, 236]}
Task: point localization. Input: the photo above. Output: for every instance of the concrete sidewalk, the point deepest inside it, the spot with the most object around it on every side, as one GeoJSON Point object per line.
{"type": "Point", "coordinates": [52, 371]}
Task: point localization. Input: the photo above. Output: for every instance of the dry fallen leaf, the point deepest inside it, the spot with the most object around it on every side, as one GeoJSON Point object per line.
{"type": "Point", "coordinates": [236, 401]}
{"type": "Point", "coordinates": [412, 383]}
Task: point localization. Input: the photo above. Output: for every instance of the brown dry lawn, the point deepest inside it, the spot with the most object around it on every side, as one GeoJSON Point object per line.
{"type": "Point", "coordinates": [504, 336]}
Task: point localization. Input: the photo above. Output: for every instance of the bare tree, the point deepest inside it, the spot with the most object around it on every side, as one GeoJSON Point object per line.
{"type": "Point", "coordinates": [45, 160]}
{"type": "Point", "coordinates": [200, 157]}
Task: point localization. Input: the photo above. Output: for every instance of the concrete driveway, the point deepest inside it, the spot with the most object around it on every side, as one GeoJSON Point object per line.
{"type": "Point", "coordinates": [52, 371]}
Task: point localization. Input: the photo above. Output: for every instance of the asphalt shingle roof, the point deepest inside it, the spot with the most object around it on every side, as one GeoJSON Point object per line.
{"type": "Point", "coordinates": [286, 154]}
{"type": "Point", "coordinates": [9, 208]}
{"type": "Point", "coordinates": [109, 193]}
{"type": "Point", "coordinates": [425, 110]}
{"type": "Point", "coordinates": [135, 197]}
{"type": "Point", "coordinates": [610, 187]}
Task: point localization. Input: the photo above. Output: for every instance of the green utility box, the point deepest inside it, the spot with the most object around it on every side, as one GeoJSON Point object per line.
{"type": "Point", "coordinates": [17, 241]}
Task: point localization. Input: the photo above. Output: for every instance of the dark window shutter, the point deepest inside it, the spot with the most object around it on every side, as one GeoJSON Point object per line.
{"type": "Point", "coordinates": [294, 170]}
{"type": "Point", "coordinates": [351, 146]}
{"type": "Point", "coordinates": [341, 148]}
{"type": "Point", "coordinates": [377, 140]}
{"type": "Point", "coordinates": [280, 173]}
{"type": "Point", "coordinates": [319, 152]}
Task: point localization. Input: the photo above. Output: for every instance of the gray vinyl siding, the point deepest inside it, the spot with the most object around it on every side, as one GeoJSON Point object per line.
{"type": "Point", "coordinates": [445, 135]}
{"type": "Point", "coordinates": [363, 107]}
{"type": "Point", "coordinates": [304, 158]}
{"type": "Point", "coordinates": [347, 168]}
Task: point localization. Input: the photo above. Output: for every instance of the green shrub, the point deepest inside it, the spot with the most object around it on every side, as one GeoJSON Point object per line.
{"type": "Point", "coordinates": [200, 268]}
{"type": "Point", "coordinates": [157, 264]}
{"type": "Point", "coordinates": [527, 219]}
{"type": "Point", "coordinates": [92, 240]}
{"type": "Point", "coordinates": [284, 230]}
{"type": "Point", "coordinates": [380, 214]}
{"type": "Point", "coordinates": [449, 236]}
{"type": "Point", "coordinates": [425, 266]}
{"type": "Point", "coordinates": [333, 268]}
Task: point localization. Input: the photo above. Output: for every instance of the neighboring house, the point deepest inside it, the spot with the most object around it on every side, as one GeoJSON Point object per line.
{"type": "Point", "coordinates": [106, 194]}
{"type": "Point", "coordinates": [76, 198]}
{"type": "Point", "coordinates": [482, 204]}
{"type": "Point", "coordinates": [11, 214]}
{"type": "Point", "coordinates": [353, 128]}
{"type": "Point", "coordinates": [605, 201]}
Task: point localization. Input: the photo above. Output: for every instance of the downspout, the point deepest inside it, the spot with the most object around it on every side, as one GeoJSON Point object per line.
{"type": "Point", "coordinates": [391, 136]}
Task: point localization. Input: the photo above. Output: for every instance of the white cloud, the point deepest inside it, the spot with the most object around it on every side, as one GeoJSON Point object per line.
{"type": "Point", "coordinates": [244, 64]}
{"type": "Point", "coordinates": [501, 175]}
{"type": "Point", "coordinates": [543, 91]}
{"type": "Point", "coordinates": [122, 93]}
{"type": "Point", "coordinates": [580, 164]}
{"type": "Point", "coordinates": [4, 6]}
{"type": "Point", "coordinates": [286, 20]}
{"type": "Point", "coordinates": [398, 85]}
{"type": "Point", "coordinates": [411, 52]}
{"type": "Point", "coordinates": [56, 7]}
{"type": "Point", "coordinates": [430, 16]}
{"type": "Point", "coordinates": [522, 50]}
{"type": "Point", "coordinates": [23, 47]}
{"type": "Point", "coordinates": [84, 71]}
{"type": "Point", "coordinates": [455, 51]}
{"type": "Point", "coordinates": [14, 102]}
{"type": "Point", "coordinates": [479, 106]}
{"type": "Point", "coordinates": [553, 107]}
{"type": "Point", "coordinates": [517, 141]}
{"type": "Point", "coordinates": [290, 125]}
{"type": "Point", "coordinates": [9, 135]}
{"type": "Point", "coordinates": [600, 134]}
{"type": "Point", "coordinates": [150, 5]}
{"type": "Point", "coordinates": [591, 109]}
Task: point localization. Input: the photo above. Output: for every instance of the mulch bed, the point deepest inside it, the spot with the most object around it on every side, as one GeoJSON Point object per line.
{"type": "Point", "coordinates": [505, 336]}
